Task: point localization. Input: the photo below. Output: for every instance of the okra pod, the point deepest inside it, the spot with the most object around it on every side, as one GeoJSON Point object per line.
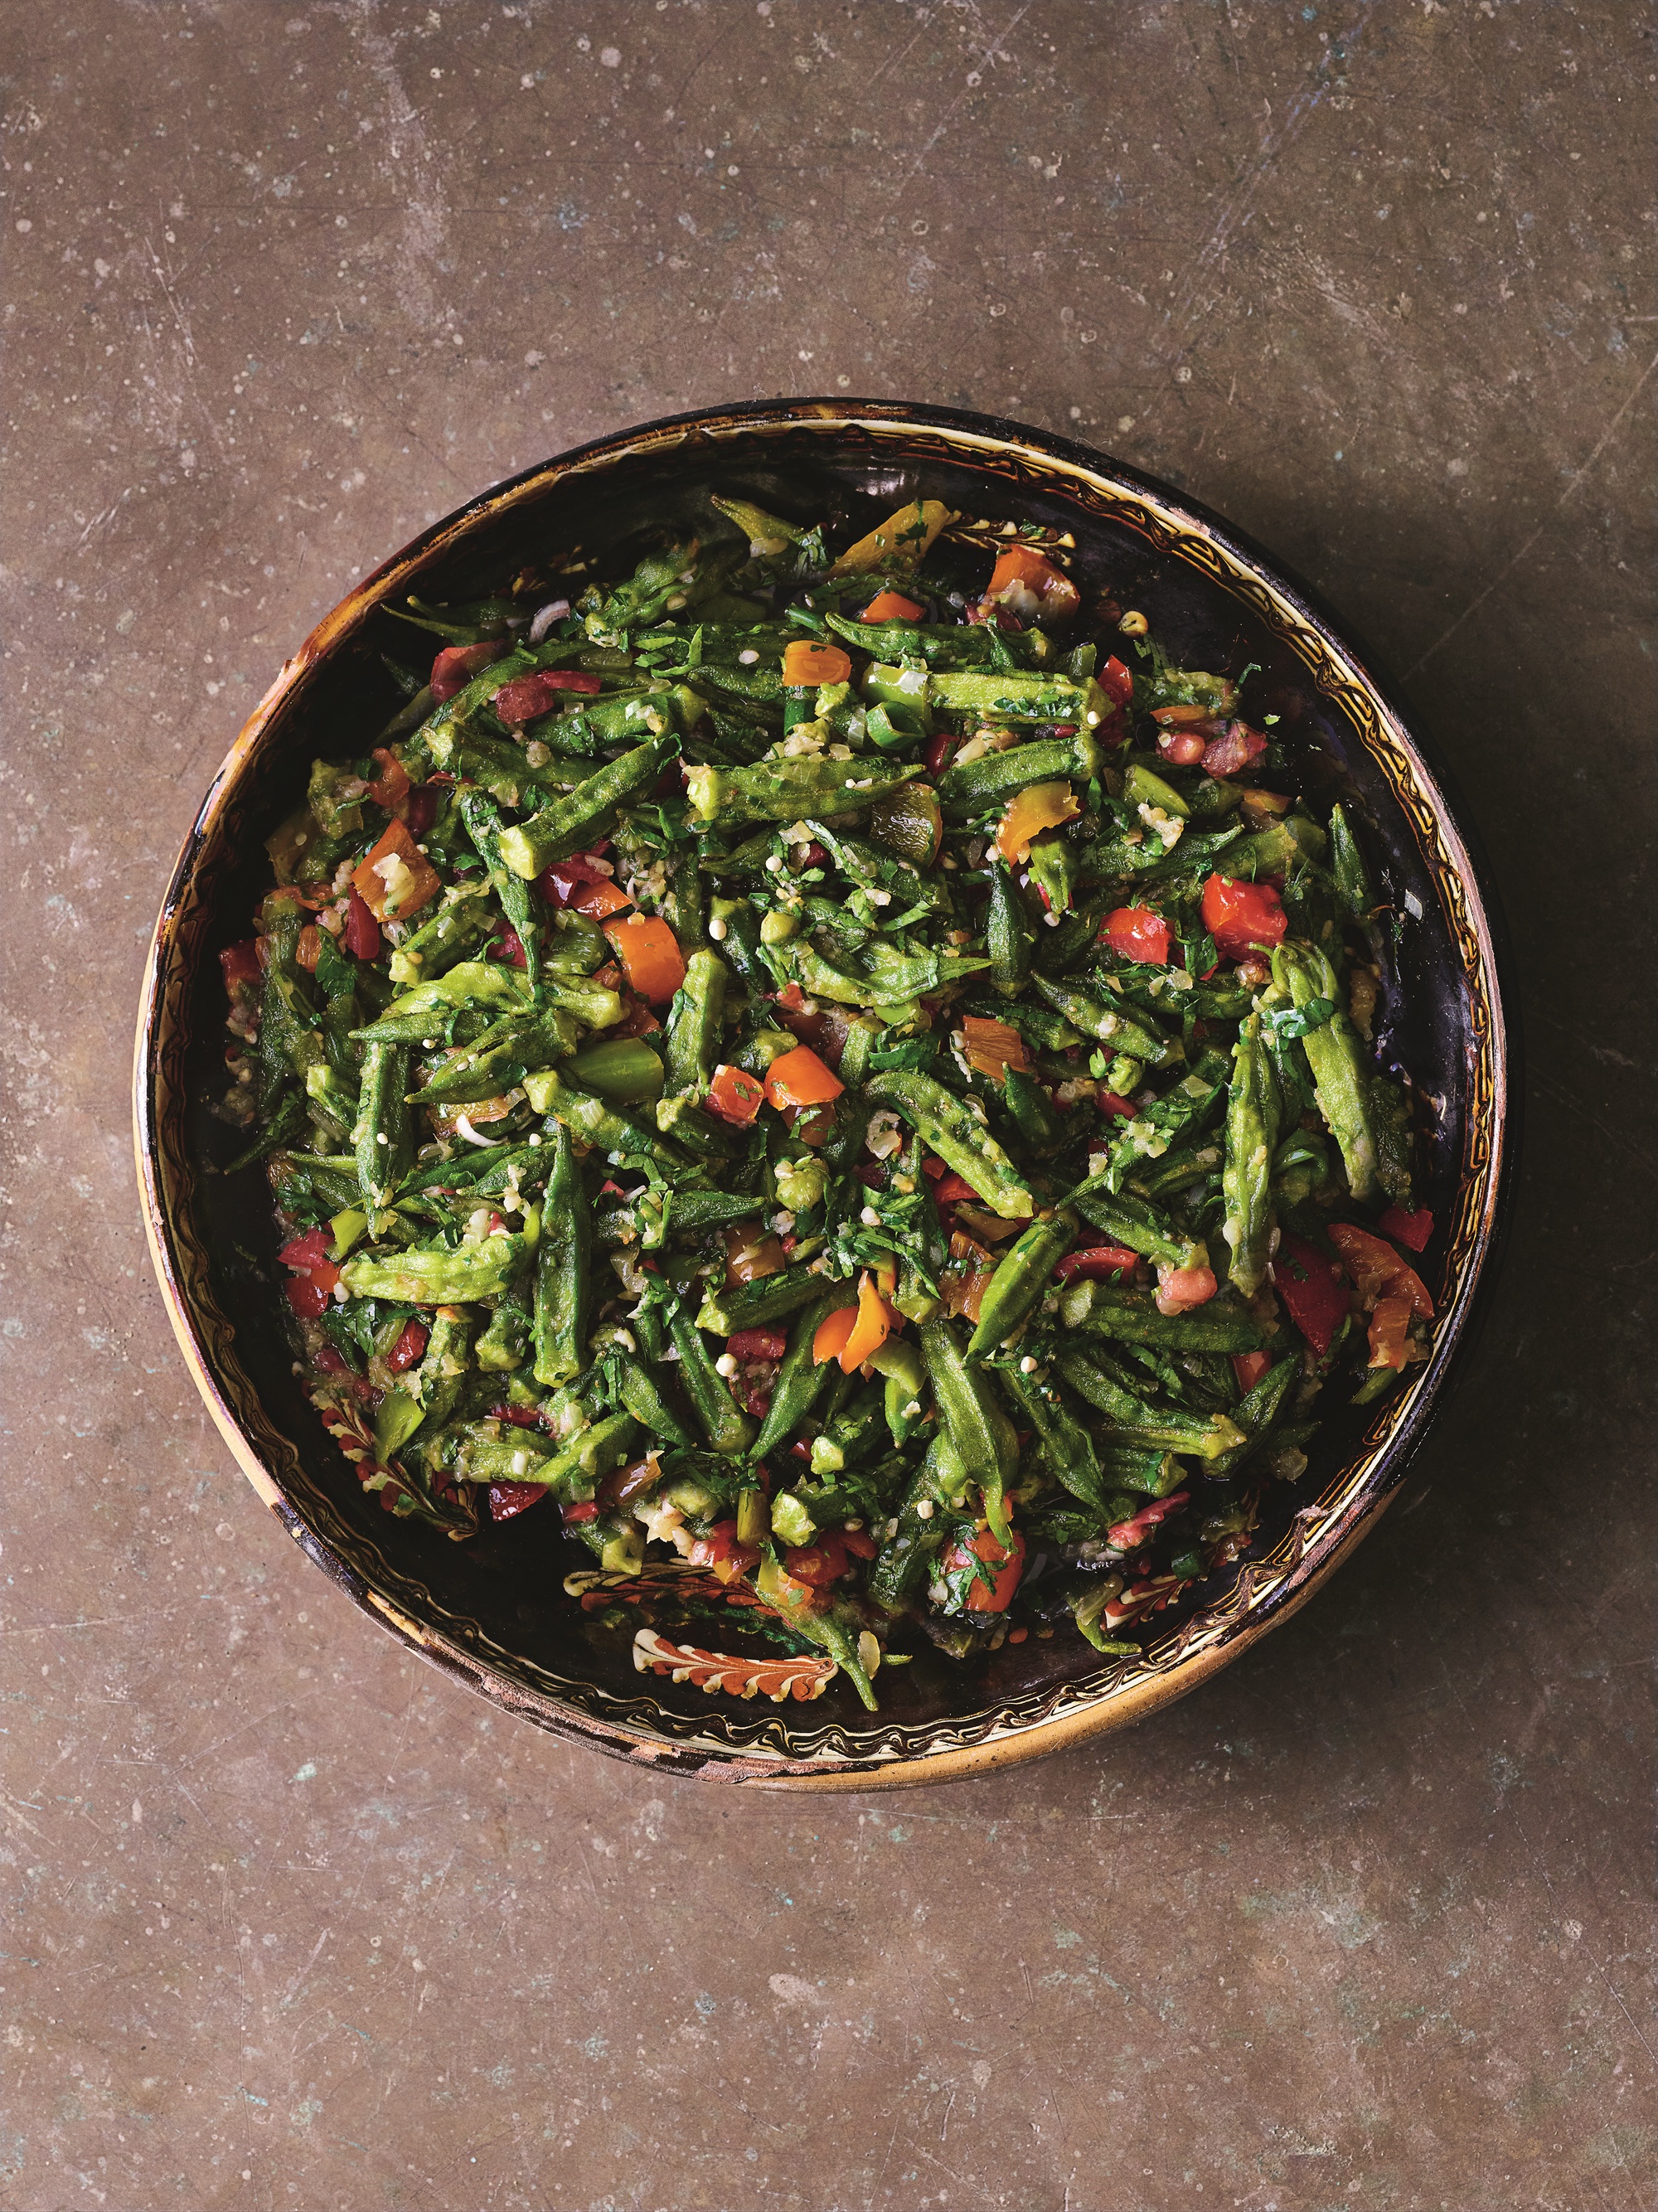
{"type": "Point", "coordinates": [995, 778]}
{"type": "Point", "coordinates": [790, 790]}
{"type": "Point", "coordinates": [694, 1026]}
{"type": "Point", "coordinates": [1253, 1113]}
{"type": "Point", "coordinates": [799, 1377]}
{"type": "Point", "coordinates": [587, 812]}
{"type": "Point", "coordinates": [1131, 1315]}
{"type": "Point", "coordinates": [727, 1430]}
{"type": "Point", "coordinates": [948, 1126]}
{"type": "Point", "coordinates": [429, 1275]}
{"type": "Point", "coordinates": [519, 901]}
{"type": "Point", "coordinates": [1341, 1077]}
{"type": "Point", "coordinates": [977, 1428]}
{"type": "Point", "coordinates": [1207, 1435]}
{"type": "Point", "coordinates": [1023, 1275]}
{"type": "Point", "coordinates": [1067, 1445]}
{"type": "Point", "coordinates": [1102, 1016]}
{"type": "Point", "coordinates": [382, 1138]}
{"type": "Point", "coordinates": [563, 1276]}
{"type": "Point", "coordinates": [1137, 1223]}
{"type": "Point", "coordinates": [750, 1305]}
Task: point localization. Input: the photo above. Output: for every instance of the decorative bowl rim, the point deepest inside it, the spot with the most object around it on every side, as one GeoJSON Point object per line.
{"type": "Point", "coordinates": [1322, 1535]}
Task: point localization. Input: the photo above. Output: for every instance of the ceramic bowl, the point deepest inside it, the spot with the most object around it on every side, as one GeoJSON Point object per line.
{"type": "Point", "coordinates": [491, 1610]}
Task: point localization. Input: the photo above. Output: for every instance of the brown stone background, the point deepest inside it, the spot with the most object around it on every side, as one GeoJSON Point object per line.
{"type": "Point", "coordinates": [288, 1919]}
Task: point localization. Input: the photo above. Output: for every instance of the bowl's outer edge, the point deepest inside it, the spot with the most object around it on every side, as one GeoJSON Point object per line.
{"type": "Point", "coordinates": [1312, 1563]}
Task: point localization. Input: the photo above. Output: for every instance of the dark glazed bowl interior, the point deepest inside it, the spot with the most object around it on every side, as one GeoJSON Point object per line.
{"type": "Point", "coordinates": [493, 1608]}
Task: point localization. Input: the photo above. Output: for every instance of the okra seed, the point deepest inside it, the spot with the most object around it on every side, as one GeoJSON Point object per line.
{"type": "Point", "coordinates": [1027, 1365]}
{"type": "Point", "coordinates": [924, 1510]}
{"type": "Point", "coordinates": [725, 1366]}
{"type": "Point", "coordinates": [869, 1217]}
{"type": "Point", "coordinates": [716, 930]}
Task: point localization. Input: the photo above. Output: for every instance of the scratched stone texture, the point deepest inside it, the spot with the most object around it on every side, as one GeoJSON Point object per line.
{"type": "Point", "coordinates": [289, 1920]}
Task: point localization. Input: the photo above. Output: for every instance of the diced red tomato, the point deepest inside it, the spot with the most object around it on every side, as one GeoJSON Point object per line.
{"type": "Point", "coordinates": [576, 1514]}
{"type": "Point", "coordinates": [1312, 1293]}
{"type": "Point", "coordinates": [939, 750]}
{"type": "Point", "coordinates": [1390, 1333]}
{"type": "Point", "coordinates": [1005, 1561]}
{"type": "Point", "coordinates": [1116, 681]}
{"type": "Point", "coordinates": [1181, 748]}
{"type": "Point", "coordinates": [362, 934]}
{"type": "Point", "coordinates": [308, 1298]}
{"type": "Point", "coordinates": [734, 1095]}
{"type": "Point", "coordinates": [892, 607]}
{"type": "Point", "coordinates": [1412, 1230]}
{"type": "Point", "coordinates": [952, 1189]}
{"type": "Point", "coordinates": [409, 1347]}
{"type": "Point", "coordinates": [859, 1543]}
{"type": "Point", "coordinates": [520, 1417]}
{"type": "Point", "coordinates": [1098, 1263]}
{"type": "Point", "coordinates": [239, 965]}
{"type": "Point", "coordinates": [751, 1254]}
{"type": "Point", "coordinates": [817, 1565]}
{"type": "Point", "coordinates": [1236, 746]}
{"type": "Point", "coordinates": [394, 893]}
{"type": "Point", "coordinates": [314, 1249]}
{"type": "Point", "coordinates": [720, 1550]}
{"type": "Point", "coordinates": [1241, 916]}
{"type": "Point", "coordinates": [509, 947]}
{"type": "Point", "coordinates": [508, 1499]}
{"type": "Point", "coordinates": [1179, 1288]}
{"type": "Point", "coordinates": [791, 1006]}
{"type": "Point", "coordinates": [527, 696]}
{"type": "Point", "coordinates": [391, 786]}
{"type": "Point", "coordinates": [1109, 1103]}
{"type": "Point", "coordinates": [420, 809]}
{"type": "Point", "coordinates": [581, 884]}
{"type": "Point", "coordinates": [1377, 1269]}
{"type": "Point", "coordinates": [1134, 932]}
{"type": "Point", "coordinates": [456, 664]}
{"type": "Point", "coordinates": [1250, 1368]}
{"type": "Point", "coordinates": [757, 1344]}
{"type": "Point", "coordinates": [331, 1362]}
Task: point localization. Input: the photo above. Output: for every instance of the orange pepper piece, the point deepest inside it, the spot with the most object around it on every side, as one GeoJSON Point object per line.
{"type": "Point", "coordinates": [1042, 806]}
{"type": "Point", "coordinates": [650, 956]}
{"type": "Point", "coordinates": [890, 607]}
{"type": "Point", "coordinates": [396, 879]}
{"type": "Point", "coordinates": [871, 1329]}
{"type": "Point", "coordinates": [804, 663]}
{"type": "Point", "coordinates": [800, 1078]}
{"type": "Point", "coordinates": [1021, 567]}
{"type": "Point", "coordinates": [833, 1334]}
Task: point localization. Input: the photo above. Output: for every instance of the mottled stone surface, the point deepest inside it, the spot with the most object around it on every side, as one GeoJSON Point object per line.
{"type": "Point", "coordinates": [289, 1920]}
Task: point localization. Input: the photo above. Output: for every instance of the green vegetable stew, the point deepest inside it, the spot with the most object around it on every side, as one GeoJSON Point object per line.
{"type": "Point", "coordinates": [848, 1080]}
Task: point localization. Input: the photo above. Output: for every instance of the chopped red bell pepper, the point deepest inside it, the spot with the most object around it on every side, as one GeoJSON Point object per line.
{"type": "Point", "coordinates": [456, 664]}
{"type": "Point", "coordinates": [1312, 1293]}
{"type": "Point", "coordinates": [757, 1344]}
{"type": "Point", "coordinates": [817, 1565]}
{"type": "Point", "coordinates": [527, 696]}
{"type": "Point", "coordinates": [1412, 1229]}
{"type": "Point", "coordinates": [1250, 1367]}
{"type": "Point", "coordinates": [241, 963]}
{"type": "Point", "coordinates": [409, 1347]}
{"type": "Point", "coordinates": [508, 1499]}
{"type": "Point", "coordinates": [1235, 749]}
{"type": "Point", "coordinates": [361, 933]}
{"type": "Point", "coordinates": [1098, 1263]}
